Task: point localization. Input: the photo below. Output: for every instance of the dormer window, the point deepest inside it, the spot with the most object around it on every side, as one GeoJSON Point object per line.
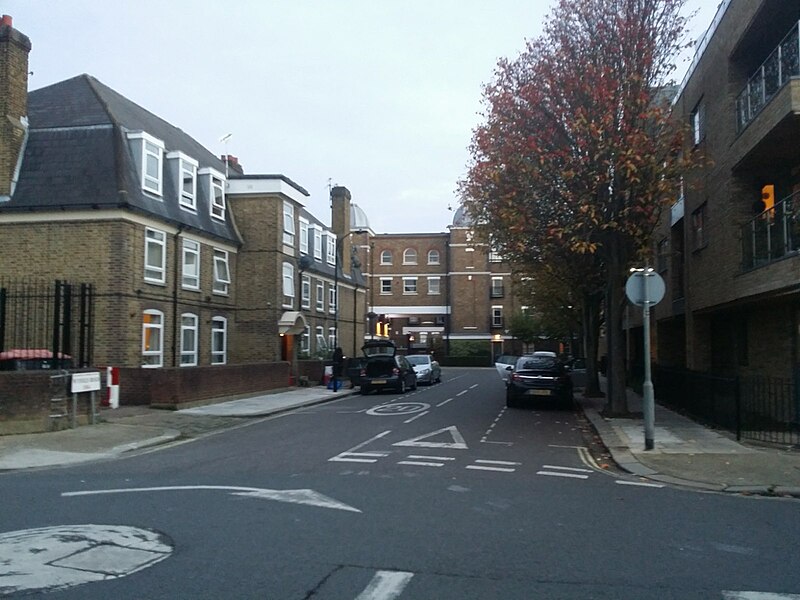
{"type": "Point", "coordinates": [317, 243]}
{"type": "Point", "coordinates": [213, 184]}
{"type": "Point", "coordinates": [331, 248]}
{"type": "Point", "coordinates": [183, 170]}
{"type": "Point", "coordinates": [148, 153]}
{"type": "Point", "coordinates": [288, 224]}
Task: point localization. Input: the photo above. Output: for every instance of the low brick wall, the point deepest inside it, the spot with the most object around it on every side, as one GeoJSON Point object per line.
{"type": "Point", "coordinates": [173, 387]}
{"type": "Point", "coordinates": [313, 369]}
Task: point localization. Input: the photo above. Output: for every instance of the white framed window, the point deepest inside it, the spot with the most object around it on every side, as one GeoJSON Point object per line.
{"type": "Point", "coordinates": [305, 292]}
{"type": "Point", "coordinates": [322, 343]}
{"type": "Point", "coordinates": [219, 341]}
{"type": "Point", "coordinates": [331, 337]}
{"type": "Point", "coordinates": [305, 342]}
{"type": "Point", "coordinates": [303, 236]}
{"type": "Point", "coordinates": [215, 188]}
{"type": "Point", "coordinates": [150, 159]}
{"type": "Point", "coordinates": [155, 255]}
{"type": "Point", "coordinates": [497, 287]}
{"type": "Point", "coordinates": [494, 256]}
{"type": "Point", "coordinates": [433, 257]}
{"type": "Point", "coordinates": [409, 285]}
{"type": "Point", "coordinates": [191, 265]}
{"type": "Point", "coordinates": [386, 285]}
{"type": "Point", "coordinates": [409, 256]}
{"type": "Point", "coordinates": [188, 340]}
{"type": "Point", "coordinates": [188, 173]}
{"type": "Point", "coordinates": [288, 284]}
{"type": "Point", "coordinates": [386, 257]}
{"type": "Point", "coordinates": [317, 243]}
{"type": "Point", "coordinates": [222, 273]}
{"type": "Point", "coordinates": [152, 339]}
{"type": "Point", "coordinates": [434, 286]}
{"type": "Point", "coordinates": [330, 254]}
{"type": "Point", "coordinates": [288, 223]}
{"type": "Point", "coordinates": [320, 296]}
{"type": "Point", "coordinates": [331, 299]}
{"type": "Point", "coordinates": [497, 316]}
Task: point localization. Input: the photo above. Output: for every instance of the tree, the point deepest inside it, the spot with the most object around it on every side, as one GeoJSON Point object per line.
{"type": "Point", "coordinates": [579, 153]}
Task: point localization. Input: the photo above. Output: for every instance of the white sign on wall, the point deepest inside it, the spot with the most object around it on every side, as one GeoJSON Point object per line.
{"type": "Point", "coordinates": [85, 382]}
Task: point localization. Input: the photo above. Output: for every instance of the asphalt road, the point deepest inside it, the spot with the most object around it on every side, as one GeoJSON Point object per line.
{"type": "Point", "coordinates": [439, 494]}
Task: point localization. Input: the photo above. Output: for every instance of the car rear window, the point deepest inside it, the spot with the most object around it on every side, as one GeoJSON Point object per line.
{"type": "Point", "coordinates": [532, 363]}
{"type": "Point", "coordinates": [418, 359]}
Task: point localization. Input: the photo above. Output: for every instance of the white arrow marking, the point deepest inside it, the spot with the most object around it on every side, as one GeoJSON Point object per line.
{"type": "Point", "coordinates": [309, 497]}
{"type": "Point", "coordinates": [386, 585]}
{"type": "Point", "coordinates": [458, 442]}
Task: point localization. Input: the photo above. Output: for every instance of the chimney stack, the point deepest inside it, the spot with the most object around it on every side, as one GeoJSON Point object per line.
{"type": "Point", "coordinates": [340, 221]}
{"type": "Point", "coordinates": [14, 50]}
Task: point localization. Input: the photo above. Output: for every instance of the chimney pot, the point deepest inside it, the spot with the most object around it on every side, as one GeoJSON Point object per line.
{"type": "Point", "coordinates": [6, 20]}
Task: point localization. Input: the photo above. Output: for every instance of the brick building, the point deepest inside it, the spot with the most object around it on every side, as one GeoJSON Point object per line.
{"type": "Point", "coordinates": [192, 262]}
{"type": "Point", "coordinates": [728, 248]}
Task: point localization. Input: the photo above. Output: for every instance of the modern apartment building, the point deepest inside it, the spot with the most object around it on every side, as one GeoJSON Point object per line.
{"type": "Point", "coordinates": [728, 248]}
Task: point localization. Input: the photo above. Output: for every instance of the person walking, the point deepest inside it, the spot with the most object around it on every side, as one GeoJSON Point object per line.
{"type": "Point", "coordinates": [338, 362]}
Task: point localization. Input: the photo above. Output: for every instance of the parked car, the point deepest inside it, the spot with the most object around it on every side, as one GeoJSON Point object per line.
{"type": "Point", "coordinates": [545, 353]}
{"type": "Point", "coordinates": [502, 362]}
{"type": "Point", "coordinates": [385, 369]}
{"type": "Point", "coordinates": [577, 372]}
{"type": "Point", "coordinates": [539, 378]}
{"type": "Point", "coordinates": [427, 370]}
{"type": "Point", "coordinates": [352, 369]}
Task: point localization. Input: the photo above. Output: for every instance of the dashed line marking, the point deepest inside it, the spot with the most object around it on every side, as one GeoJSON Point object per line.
{"type": "Point", "coordinates": [639, 483]}
{"type": "Point", "coordinates": [461, 393]}
{"type": "Point", "coordinates": [473, 386]}
{"type": "Point", "coordinates": [570, 475]}
{"type": "Point", "coordinates": [346, 459]}
{"type": "Point", "coordinates": [386, 585]}
{"type": "Point", "coordinates": [416, 463]}
{"type": "Point", "coordinates": [567, 469]}
{"type": "Point", "coordinates": [431, 457]}
{"type": "Point", "coordinates": [496, 462]}
{"type": "Point", "coordinates": [485, 468]}
{"type": "Point", "coordinates": [444, 402]}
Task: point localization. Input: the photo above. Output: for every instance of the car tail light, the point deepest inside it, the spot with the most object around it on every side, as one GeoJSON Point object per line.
{"type": "Point", "coordinates": [395, 371]}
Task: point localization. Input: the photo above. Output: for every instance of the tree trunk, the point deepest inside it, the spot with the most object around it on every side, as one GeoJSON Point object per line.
{"type": "Point", "coordinates": [616, 390]}
{"type": "Point", "coordinates": [591, 334]}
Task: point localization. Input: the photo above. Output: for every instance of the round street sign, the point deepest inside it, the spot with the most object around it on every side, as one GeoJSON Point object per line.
{"type": "Point", "coordinates": [645, 286]}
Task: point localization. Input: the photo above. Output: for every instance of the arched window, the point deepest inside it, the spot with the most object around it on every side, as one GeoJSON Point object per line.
{"type": "Point", "coordinates": [153, 339]}
{"type": "Point", "coordinates": [409, 256]}
{"type": "Point", "coordinates": [386, 257]}
{"type": "Point", "coordinates": [188, 340]}
{"type": "Point", "coordinates": [219, 340]}
{"type": "Point", "coordinates": [433, 257]}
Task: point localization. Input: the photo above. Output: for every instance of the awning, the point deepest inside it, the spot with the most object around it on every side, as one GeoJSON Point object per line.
{"type": "Point", "coordinates": [292, 322]}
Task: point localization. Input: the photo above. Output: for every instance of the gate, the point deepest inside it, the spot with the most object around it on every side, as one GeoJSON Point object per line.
{"type": "Point", "coordinates": [45, 324]}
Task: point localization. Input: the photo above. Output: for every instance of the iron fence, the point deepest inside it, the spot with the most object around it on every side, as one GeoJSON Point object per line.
{"type": "Point", "coordinates": [755, 408]}
{"type": "Point", "coordinates": [45, 324]}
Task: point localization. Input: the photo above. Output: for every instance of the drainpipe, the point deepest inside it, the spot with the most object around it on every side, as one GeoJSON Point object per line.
{"type": "Point", "coordinates": [175, 278]}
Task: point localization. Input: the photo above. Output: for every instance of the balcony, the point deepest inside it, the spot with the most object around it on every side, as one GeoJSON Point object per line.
{"type": "Point", "coordinates": [769, 79]}
{"type": "Point", "coordinates": [772, 235]}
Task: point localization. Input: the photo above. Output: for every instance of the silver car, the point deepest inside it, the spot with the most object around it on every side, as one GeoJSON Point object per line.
{"type": "Point", "coordinates": [427, 370]}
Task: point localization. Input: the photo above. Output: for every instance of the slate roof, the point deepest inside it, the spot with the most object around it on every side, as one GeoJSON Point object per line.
{"type": "Point", "coordinates": [78, 157]}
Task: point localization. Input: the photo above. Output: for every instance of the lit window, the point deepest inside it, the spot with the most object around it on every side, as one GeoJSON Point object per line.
{"type": "Point", "coordinates": [188, 340]}
{"type": "Point", "coordinates": [409, 256]}
{"type": "Point", "coordinates": [497, 316]}
{"type": "Point", "coordinates": [317, 243]}
{"type": "Point", "coordinates": [320, 296]}
{"type": "Point", "coordinates": [433, 257]}
{"type": "Point", "coordinates": [434, 286]}
{"type": "Point", "coordinates": [288, 284]}
{"type": "Point", "coordinates": [191, 265]}
{"type": "Point", "coordinates": [222, 275]}
{"type": "Point", "coordinates": [152, 339]}
{"type": "Point", "coordinates": [331, 299]}
{"type": "Point", "coordinates": [306, 291]}
{"type": "Point", "coordinates": [386, 257]}
{"type": "Point", "coordinates": [386, 285]}
{"type": "Point", "coordinates": [303, 236]}
{"type": "Point", "coordinates": [288, 223]}
{"type": "Point", "coordinates": [155, 255]}
{"type": "Point", "coordinates": [219, 341]}
{"type": "Point", "coordinates": [409, 285]}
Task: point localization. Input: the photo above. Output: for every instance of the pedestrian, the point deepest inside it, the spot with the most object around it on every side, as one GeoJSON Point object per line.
{"type": "Point", "coordinates": [338, 361]}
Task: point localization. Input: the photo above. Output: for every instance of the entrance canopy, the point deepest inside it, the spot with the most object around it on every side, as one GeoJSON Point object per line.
{"type": "Point", "coordinates": [292, 322]}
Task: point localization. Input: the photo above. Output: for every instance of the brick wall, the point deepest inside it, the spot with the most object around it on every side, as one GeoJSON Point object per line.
{"type": "Point", "coordinates": [14, 49]}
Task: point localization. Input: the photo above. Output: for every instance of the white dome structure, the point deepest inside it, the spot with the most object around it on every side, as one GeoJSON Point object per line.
{"type": "Point", "coordinates": [462, 219]}
{"type": "Point", "coordinates": [358, 219]}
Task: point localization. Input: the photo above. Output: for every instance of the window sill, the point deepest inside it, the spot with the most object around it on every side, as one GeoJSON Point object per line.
{"type": "Point", "coordinates": [155, 282]}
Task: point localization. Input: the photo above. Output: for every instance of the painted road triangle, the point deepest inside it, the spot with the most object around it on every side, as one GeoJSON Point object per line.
{"type": "Point", "coordinates": [450, 433]}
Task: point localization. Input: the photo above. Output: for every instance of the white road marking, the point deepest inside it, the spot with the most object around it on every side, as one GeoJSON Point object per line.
{"type": "Point", "coordinates": [345, 456]}
{"type": "Point", "coordinates": [461, 393]}
{"type": "Point", "coordinates": [473, 386]}
{"type": "Point", "coordinates": [558, 446]}
{"type": "Point", "coordinates": [416, 463]}
{"type": "Point", "coordinates": [305, 496]}
{"type": "Point", "coordinates": [458, 442]}
{"type": "Point", "coordinates": [431, 457]}
{"type": "Point", "coordinates": [758, 596]}
{"type": "Point", "coordinates": [341, 458]}
{"type": "Point", "coordinates": [60, 557]}
{"type": "Point", "coordinates": [572, 475]}
{"type": "Point", "coordinates": [485, 468]}
{"type": "Point", "coordinates": [397, 408]}
{"type": "Point", "coordinates": [386, 585]}
{"type": "Point", "coordinates": [444, 402]}
{"type": "Point", "coordinates": [567, 469]}
{"type": "Point", "coordinates": [422, 414]}
{"type": "Point", "coordinates": [497, 462]}
{"type": "Point", "coordinates": [371, 454]}
{"type": "Point", "coordinates": [639, 483]}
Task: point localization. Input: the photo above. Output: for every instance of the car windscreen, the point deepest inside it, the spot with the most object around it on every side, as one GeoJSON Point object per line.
{"type": "Point", "coordinates": [418, 360]}
{"type": "Point", "coordinates": [535, 363]}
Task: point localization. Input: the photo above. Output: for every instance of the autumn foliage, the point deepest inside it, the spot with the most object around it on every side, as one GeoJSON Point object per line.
{"type": "Point", "coordinates": [578, 152]}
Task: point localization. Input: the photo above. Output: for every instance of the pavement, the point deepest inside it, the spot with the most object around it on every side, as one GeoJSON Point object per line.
{"type": "Point", "coordinates": [686, 453]}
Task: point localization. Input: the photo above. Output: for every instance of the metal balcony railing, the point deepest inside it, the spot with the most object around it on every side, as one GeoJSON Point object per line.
{"type": "Point", "coordinates": [771, 76]}
{"type": "Point", "coordinates": [772, 234]}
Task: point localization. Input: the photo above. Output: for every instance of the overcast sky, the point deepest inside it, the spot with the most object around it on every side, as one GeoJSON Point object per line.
{"type": "Point", "coordinates": [380, 96]}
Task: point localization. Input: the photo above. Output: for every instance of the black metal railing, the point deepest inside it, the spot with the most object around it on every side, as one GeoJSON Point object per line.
{"type": "Point", "coordinates": [772, 234]}
{"type": "Point", "coordinates": [754, 408]}
{"type": "Point", "coordinates": [781, 65]}
{"type": "Point", "coordinates": [46, 324]}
